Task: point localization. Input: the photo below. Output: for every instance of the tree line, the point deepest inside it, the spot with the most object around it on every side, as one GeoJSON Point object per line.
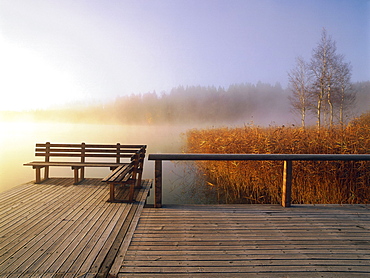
{"type": "Point", "coordinates": [260, 103]}
{"type": "Point", "coordinates": [201, 104]}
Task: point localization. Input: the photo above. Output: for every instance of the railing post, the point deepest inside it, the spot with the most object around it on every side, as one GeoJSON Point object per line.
{"type": "Point", "coordinates": [287, 184]}
{"type": "Point", "coordinates": [158, 184]}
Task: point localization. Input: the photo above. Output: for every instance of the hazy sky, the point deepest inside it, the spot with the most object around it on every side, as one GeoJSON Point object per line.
{"type": "Point", "coordinates": [53, 52]}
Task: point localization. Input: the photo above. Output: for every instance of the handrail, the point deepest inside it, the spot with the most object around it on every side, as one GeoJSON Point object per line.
{"type": "Point", "coordinates": [287, 173]}
{"type": "Point", "coordinates": [218, 156]}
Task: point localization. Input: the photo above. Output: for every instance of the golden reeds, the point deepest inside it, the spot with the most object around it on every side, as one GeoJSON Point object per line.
{"type": "Point", "coordinates": [323, 182]}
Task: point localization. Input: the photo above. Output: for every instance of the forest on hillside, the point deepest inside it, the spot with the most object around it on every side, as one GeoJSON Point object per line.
{"type": "Point", "coordinates": [261, 104]}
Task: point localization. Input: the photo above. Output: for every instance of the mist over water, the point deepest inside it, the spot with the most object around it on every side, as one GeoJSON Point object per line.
{"type": "Point", "coordinates": [160, 122]}
{"type": "Point", "coordinates": [19, 136]}
{"type": "Point", "coordinates": [18, 141]}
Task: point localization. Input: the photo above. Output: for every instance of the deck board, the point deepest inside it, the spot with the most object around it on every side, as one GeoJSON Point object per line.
{"type": "Point", "coordinates": [57, 229]}
{"type": "Point", "coordinates": [249, 241]}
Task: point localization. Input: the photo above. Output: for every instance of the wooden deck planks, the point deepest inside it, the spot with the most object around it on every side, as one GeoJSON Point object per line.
{"type": "Point", "coordinates": [251, 240]}
{"type": "Point", "coordinates": [57, 229]}
{"type": "Point", "coordinates": [61, 230]}
{"type": "Point", "coordinates": [47, 240]}
{"type": "Point", "coordinates": [120, 255]}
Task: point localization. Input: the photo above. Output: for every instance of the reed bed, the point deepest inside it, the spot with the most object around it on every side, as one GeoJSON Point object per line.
{"type": "Point", "coordinates": [314, 182]}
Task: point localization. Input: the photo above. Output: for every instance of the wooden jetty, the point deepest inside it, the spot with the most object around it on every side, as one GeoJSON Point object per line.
{"type": "Point", "coordinates": [57, 229]}
{"type": "Point", "coordinates": [250, 241]}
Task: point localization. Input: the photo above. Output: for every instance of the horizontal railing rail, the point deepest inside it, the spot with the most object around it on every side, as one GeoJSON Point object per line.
{"type": "Point", "coordinates": [287, 172]}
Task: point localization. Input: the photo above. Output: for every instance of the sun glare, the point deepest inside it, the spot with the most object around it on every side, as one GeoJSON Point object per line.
{"type": "Point", "coordinates": [30, 82]}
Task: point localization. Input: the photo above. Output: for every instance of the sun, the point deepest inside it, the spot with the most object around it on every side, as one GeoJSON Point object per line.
{"type": "Point", "coordinates": [28, 81]}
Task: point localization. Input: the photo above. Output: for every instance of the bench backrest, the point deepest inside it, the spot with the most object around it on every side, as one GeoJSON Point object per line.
{"type": "Point", "coordinates": [83, 151]}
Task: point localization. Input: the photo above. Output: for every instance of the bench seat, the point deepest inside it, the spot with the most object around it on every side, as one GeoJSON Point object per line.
{"type": "Point", "coordinates": [73, 164]}
{"type": "Point", "coordinates": [122, 175]}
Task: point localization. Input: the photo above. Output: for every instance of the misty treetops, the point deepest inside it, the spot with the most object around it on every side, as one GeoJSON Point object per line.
{"type": "Point", "coordinates": [240, 102]}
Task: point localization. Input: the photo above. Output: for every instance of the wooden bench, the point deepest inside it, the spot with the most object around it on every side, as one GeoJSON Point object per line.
{"type": "Point", "coordinates": [121, 159]}
{"type": "Point", "coordinates": [126, 175]}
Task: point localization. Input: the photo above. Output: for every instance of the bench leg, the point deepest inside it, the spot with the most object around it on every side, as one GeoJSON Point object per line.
{"type": "Point", "coordinates": [78, 177]}
{"type": "Point", "coordinates": [131, 193]}
{"type": "Point", "coordinates": [38, 175]}
{"type": "Point", "coordinates": [46, 172]}
{"type": "Point", "coordinates": [111, 193]}
{"type": "Point", "coordinates": [82, 174]}
{"type": "Point", "coordinates": [75, 175]}
{"type": "Point", "coordinates": [138, 182]}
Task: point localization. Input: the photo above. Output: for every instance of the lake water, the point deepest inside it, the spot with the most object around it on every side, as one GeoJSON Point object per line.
{"type": "Point", "coordinates": [18, 141]}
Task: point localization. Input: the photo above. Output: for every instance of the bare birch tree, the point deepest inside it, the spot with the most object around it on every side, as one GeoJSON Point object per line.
{"type": "Point", "coordinates": [323, 85]}
{"type": "Point", "coordinates": [322, 67]}
{"type": "Point", "coordinates": [346, 94]}
{"type": "Point", "coordinates": [331, 82]}
{"type": "Point", "coordinates": [299, 83]}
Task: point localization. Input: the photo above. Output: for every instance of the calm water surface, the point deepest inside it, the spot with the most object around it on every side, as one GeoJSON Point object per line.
{"type": "Point", "coordinates": [18, 141]}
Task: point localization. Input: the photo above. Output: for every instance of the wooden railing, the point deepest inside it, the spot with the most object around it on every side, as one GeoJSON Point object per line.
{"type": "Point", "coordinates": [287, 172]}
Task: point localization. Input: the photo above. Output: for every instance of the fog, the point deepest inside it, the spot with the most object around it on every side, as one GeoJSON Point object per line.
{"type": "Point", "coordinates": [18, 141]}
{"type": "Point", "coordinates": [159, 120]}
{"type": "Point", "coordinates": [259, 104]}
